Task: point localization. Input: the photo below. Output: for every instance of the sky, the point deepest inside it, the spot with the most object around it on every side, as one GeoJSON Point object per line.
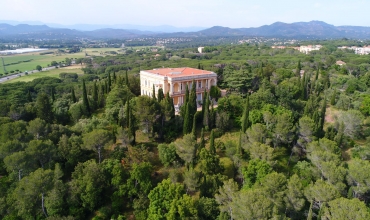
{"type": "Point", "coordinates": [187, 13]}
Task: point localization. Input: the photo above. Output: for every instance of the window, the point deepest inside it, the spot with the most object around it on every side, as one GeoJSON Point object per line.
{"type": "Point", "coordinates": [200, 84]}
{"type": "Point", "coordinates": [180, 86]}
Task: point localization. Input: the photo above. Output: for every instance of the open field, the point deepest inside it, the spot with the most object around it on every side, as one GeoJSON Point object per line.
{"type": "Point", "coordinates": [50, 73]}
{"type": "Point", "coordinates": [29, 61]}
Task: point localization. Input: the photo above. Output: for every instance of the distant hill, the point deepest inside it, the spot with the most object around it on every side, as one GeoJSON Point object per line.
{"type": "Point", "coordinates": [312, 29]}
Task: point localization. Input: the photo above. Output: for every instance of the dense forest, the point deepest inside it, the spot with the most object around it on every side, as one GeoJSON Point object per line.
{"type": "Point", "coordinates": [288, 141]}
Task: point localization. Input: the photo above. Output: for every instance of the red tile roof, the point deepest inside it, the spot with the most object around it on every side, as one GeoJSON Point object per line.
{"type": "Point", "coordinates": [178, 72]}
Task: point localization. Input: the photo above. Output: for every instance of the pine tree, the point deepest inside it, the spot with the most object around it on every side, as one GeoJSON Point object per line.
{"type": "Point", "coordinates": [126, 79]}
{"type": "Point", "coordinates": [73, 96]}
{"type": "Point", "coordinates": [212, 147]}
{"type": "Point", "coordinates": [29, 97]}
{"type": "Point", "coordinates": [187, 121]}
{"type": "Point", "coordinates": [85, 101]}
{"type": "Point", "coordinates": [202, 143]}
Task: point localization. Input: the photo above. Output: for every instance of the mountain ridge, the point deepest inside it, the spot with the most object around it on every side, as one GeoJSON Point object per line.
{"type": "Point", "coordinates": [311, 29]}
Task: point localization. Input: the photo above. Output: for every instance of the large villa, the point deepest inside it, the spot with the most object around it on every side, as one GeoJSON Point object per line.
{"type": "Point", "coordinates": [174, 81]}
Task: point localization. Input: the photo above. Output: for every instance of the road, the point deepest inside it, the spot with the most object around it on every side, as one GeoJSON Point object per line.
{"type": "Point", "coordinates": [7, 78]}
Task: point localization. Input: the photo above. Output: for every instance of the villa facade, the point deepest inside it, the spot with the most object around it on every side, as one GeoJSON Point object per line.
{"type": "Point", "coordinates": [174, 81]}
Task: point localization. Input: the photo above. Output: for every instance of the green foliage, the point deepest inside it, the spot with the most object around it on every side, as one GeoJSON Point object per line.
{"type": "Point", "coordinates": [167, 153]}
{"type": "Point", "coordinates": [87, 184]}
{"type": "Point", "coordinates": [161, 199]}
{"type": "Point", "coordinates": [255, 172]}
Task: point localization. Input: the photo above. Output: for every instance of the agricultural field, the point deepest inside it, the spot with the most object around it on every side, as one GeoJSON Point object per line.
{"type": "Point", "coordinates": [29, 61]}
{"type": "Point", "coordinates": [50, 73]}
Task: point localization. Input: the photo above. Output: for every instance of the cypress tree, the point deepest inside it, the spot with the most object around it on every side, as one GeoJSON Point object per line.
{"type": "Point", "coordinates": [101, 97]}
{"type": "Point", "coordinates": [187, 121]}
{"type": "Point", "coordinates": [202, 143]}
{"type": "Point", "coordinates": [299, 67]}
{"type": "Point", "coordinates": [206, 113]}
{"type": "Point", "coordinates": [317, 73]}
{"type": "Point", "coordinates": [109, 82]}
{"type": "Point", "coordinates": [85, 101]}
{"type": "Point", "coordinates": [193, 99]}
{"type": "Point", "coordinates": [260, 70]}
{"type": "Point", "coordinates": [114, 77]}
{"type": "Point", "coordinates": [126, 79]}
{"type": "Point", "coordinates": [95, 96]}
{"type": "Point", "coordinates": [322, 116]}
{"type": "Point", "coordinates": [194, 127]}
{"type": "Point", "coordinates": [43, 108]}
{"type": "Point", "coordinates": [339, 137]}
{"type": "Point", "coordinates": [199, 66]}
{"type": "Point", "coordinates": [303, 87]}
{"type": "Point", "coordinates": [310, 214]}
{"type": "Point", "coordinates": [73, 96]}
{"type": "Point", "coordinates": [186, 94]}
{"type": "Point", "coordinates": [52, 94]}
{"type": "Point", "coordinates": [170, 105]}
{"type": "Point", "coordinates": [29, 97]}
{"type": "Point", "coordinates": [106, 89]}
{"type": "Point", "coordinates": [212, 147]}
{"type": "Point", "coordinates": [333, 97]}
{"type": "Point", "coordinates": [127, 113]}
{"type": "Point", "coordinates": [212, 116]}
{"type": "Point", "coordinates": [153, 95]}
{"type": "Point", "coordinates": [239, 148]}
{"type": "Point", "coordinates": [245, 117]}
{"type": "Point", "coordinates": [132, 129]}
{"type": "Point", "coordinates": [204, 101]}
{"type": "Point", "coordinates": [160, 95]}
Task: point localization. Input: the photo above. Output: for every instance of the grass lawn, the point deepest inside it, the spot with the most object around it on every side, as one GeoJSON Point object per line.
{"type": "Point", "coordinates": [50, 73]}
{"type": "Point", "coordinates": [29, 61]}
